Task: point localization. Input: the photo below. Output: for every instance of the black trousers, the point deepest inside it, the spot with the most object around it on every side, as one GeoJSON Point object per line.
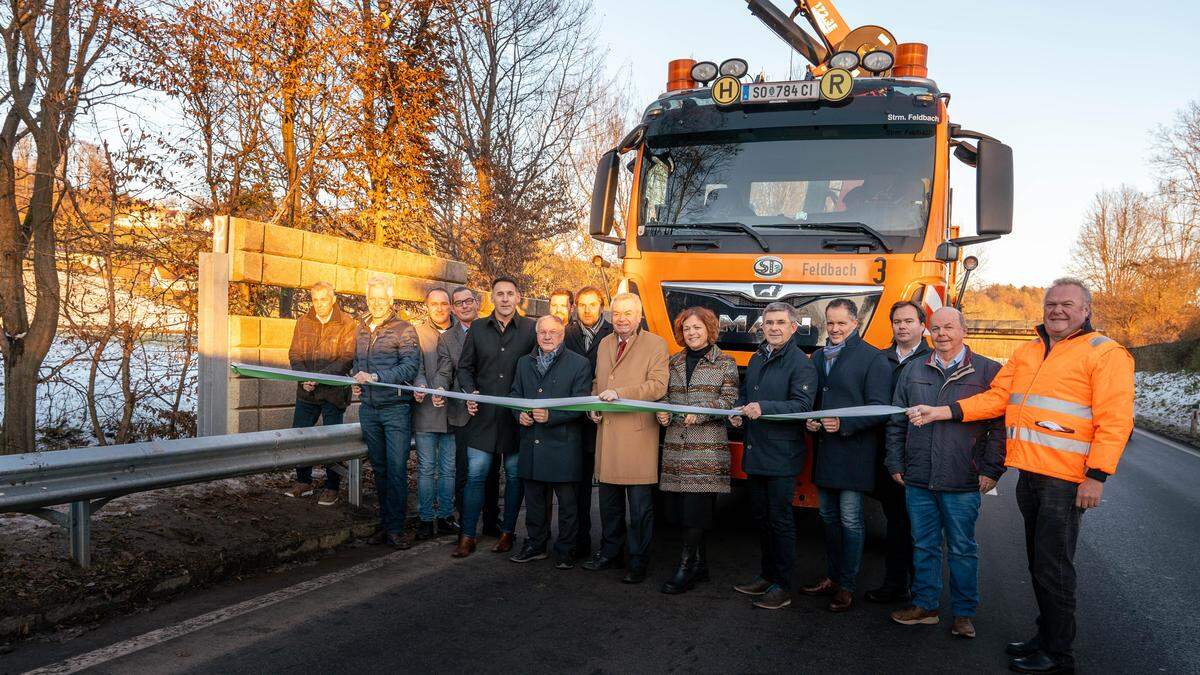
{"type": "Point", "coordinates": [898, 545]}
{"type": "Point", "coordinates": [771, 511]}
{"type": "Point", "coordinates": [491, 489]}
{"type": "Point", "coordinates": [1052, 524]}
{"type": "Point", "coordinates": [583, 496]}
{"type": "Point", "coordinates": [615, 534]}
{"type": "Point", "coordinates": [537, 516]}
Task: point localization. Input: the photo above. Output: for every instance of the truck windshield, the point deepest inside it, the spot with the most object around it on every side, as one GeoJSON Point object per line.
{"type": "Point", "coordinates": [788, 182]}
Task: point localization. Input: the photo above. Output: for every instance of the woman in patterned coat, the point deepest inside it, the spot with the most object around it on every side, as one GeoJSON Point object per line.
{"type": "Point", "coordinates": [695, 457]}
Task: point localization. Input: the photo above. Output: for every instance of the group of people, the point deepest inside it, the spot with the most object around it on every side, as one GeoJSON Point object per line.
{"type": "Point", "coordinates": [1060, 411]}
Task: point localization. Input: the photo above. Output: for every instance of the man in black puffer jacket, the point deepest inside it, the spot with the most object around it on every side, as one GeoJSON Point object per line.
{"type": "Point", "coordinates": [944, 468]}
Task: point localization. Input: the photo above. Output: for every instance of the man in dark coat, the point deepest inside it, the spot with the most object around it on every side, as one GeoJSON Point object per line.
{"type": "Point", "coordinates": [945, 468]}
{"type": "Point", "coordinates": [551, 456]}
{"type": "Point", "coordinates": [323, 342]}
{"type": "Point", "coordinates": [908, 344]}
{"type": "Point", "coordinates": [583, 337]}
{"type": "Point", "coordinates": [779, 379]}
{"type": "Point", "coordinates": [850, 372]}
{"type": "Point", "coordinates": [487, 366]}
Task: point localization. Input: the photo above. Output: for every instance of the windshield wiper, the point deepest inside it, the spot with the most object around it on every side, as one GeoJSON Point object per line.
{"type": "Point", "coordinates": [728, 225]}
{"type": "Point", "coordinates": [838, 227]}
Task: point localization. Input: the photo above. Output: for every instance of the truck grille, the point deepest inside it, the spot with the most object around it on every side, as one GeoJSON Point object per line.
{"type": "Point", "coordinates": [739, 307]}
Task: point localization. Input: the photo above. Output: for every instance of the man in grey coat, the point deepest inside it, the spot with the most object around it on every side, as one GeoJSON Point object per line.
{"type": "Point", "coordinates": [435, 440]}
{"type": "Point", "coordinates": [944, 469]}
{"type": "Point", "coordinates": [464, 306]}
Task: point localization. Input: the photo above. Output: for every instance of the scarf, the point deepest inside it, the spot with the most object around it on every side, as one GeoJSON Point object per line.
{"type": "Point", "coordinates": [831, 353]}
{"type": "Point", "coordinates": [543, 360]}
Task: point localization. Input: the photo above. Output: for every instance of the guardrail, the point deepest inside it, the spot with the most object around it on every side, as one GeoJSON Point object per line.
{"type": "Point", "coordinates": [89, 478]}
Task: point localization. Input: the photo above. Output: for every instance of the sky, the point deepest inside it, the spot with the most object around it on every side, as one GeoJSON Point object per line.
{"type": "Point", "coordinates": [1076, 88]}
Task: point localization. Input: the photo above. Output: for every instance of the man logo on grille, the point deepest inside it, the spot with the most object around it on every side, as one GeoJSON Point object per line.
{"type": "Point", "coordinates": [767, 290]}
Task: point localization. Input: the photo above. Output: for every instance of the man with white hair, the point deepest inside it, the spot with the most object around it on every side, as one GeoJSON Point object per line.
{"type": "Point", "coordinates": [630, 364]}
{"type": "Point", "coordinates": [944, 468]}
{"type": "Point", "coordinates": [386, 350]}
{"type": "Point", "coordinates": [1067, 401]}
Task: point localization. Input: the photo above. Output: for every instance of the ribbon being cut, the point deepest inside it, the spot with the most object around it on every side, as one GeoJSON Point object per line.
{"type": "Point", "coordinates": [586, 403]}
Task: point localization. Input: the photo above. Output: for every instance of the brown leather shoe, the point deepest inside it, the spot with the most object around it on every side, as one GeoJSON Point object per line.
{"type": "Point", "coordinates": [504, 544]}
{"type": "Point", "coordinates": [465, 547]}
{"type": "Point", "coordinates": [842, 601]}
{"type": "Point", "coordinates": [913, 615]}
{"type": "Point", "coordinates": [823, 587]}
{"type": "Point", "coordinates": [963, 627]}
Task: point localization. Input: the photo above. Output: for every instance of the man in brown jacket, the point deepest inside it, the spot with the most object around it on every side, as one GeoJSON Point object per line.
{"type": "Point", "coordinates": [323, 342]}
{"type": "Point", "coordinates": [630, 364]}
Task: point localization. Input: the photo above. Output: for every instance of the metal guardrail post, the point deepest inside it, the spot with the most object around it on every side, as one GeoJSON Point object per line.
{"type": "Point", "coordinates": [355, 482]}
{"type": "Point", "coordinates": [79, 525]}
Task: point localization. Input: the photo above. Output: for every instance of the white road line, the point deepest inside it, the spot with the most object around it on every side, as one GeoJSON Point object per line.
{"type": "Point", "coordinates": [1168, 442]}
{"type": "Point", "coordinates": [160, 635]}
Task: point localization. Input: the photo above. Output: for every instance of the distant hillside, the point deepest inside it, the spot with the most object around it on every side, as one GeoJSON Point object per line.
{"type": "Point", "coordinates": [1004, 302]}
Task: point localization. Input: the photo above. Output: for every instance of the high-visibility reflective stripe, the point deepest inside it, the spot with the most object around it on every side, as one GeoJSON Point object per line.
{"type": "Point", "coordinates": [1099, 340]}
{"type": "Point", "coordinates": [1064, 444]}
{"type": "Point", "coordinates": [1053, 404]}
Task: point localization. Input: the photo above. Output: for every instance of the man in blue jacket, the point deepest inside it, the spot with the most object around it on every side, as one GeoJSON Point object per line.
{"type": "Point", "coordinates": [944, 469]}
{"type": "Point", "coordinates": [850, 373]}
{"type": "Point", "coordinates": [779, 379]}
{"type": "Point", "coordinates": [385, 350]}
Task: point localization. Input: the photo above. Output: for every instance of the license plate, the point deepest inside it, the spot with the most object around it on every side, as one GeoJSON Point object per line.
{"type": "Point", "coordinates": [779, 92]}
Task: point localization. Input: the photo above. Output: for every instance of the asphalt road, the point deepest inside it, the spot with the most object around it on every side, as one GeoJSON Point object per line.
{"type": "Point", "coordinates": [366, 610]}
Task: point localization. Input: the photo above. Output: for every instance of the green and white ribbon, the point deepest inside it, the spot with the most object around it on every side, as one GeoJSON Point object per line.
{"type": "Point", "coordinates": [574, 403]}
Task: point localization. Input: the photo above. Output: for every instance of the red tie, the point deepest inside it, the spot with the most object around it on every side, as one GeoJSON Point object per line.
{"type": "Point", "coordinates": [621, 349]}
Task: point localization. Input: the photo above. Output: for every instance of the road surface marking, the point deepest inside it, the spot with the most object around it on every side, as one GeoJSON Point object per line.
{"type": "Point", "coordinates": [1168, 442]}
{"type": "Point", "coordinates": [160, 635]}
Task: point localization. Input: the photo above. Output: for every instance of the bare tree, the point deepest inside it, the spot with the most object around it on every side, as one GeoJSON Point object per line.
{"type": "Point", "coordinates": [527, 72]}
{"type": "Point", "coordinates": [53, 49]}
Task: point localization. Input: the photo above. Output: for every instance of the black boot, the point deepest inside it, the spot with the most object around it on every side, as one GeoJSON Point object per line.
{"type": "Point", "coordinates": [700, 573]}
{"type": "Point", "coordinates": [684, 579]}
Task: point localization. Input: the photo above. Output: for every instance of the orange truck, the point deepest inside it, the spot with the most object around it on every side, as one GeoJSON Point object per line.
{"type": "Point", "coordinates": [745, 192]}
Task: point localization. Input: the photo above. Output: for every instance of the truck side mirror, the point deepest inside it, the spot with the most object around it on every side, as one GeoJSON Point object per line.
{"type": "Point", "coordinates": [993, 188]}
{"type": "Point", "coordinates": [604, 198]}
{"type": "Point", "coordinates": [947, 251]}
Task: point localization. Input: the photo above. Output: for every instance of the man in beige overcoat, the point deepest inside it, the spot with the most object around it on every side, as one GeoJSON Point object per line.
{"type": "Point", "coordinates": [631, 364]}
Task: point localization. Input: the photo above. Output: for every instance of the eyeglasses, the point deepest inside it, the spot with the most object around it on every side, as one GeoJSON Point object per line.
{"type": "Point", "coordinates": [464, 303]}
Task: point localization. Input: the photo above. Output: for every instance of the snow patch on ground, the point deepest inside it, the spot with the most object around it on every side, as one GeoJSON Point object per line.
{"type": "Point", "coordinates": [1164, 401]}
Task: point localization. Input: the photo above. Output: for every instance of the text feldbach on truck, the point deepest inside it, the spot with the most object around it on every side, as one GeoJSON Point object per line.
{"type": "Point", "coordinates": [747, 192]}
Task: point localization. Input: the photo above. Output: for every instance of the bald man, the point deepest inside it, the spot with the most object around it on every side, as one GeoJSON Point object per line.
{"type": "Point", "coordinates": [944, 469]}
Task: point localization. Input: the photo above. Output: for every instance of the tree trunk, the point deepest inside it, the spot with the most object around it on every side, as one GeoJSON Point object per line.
{"type": "Point", "coordinates": [20, 410]}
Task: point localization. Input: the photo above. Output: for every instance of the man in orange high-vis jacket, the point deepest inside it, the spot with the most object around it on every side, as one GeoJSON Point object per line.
{"type": "Point", "coordinates": [1067, 400]}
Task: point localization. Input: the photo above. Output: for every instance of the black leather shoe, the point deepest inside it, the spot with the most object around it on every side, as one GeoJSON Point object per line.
{"type": "Point", "coordinates": [448, 525]}
{"type": "Point", "coordinates": [888, 594]}
{"type": "Point", "coordinates": [425, 530]}
{"type": "Point", "coordinates": [529, 554]}
{"type": "Point", "coordinates": [685, 575]}
{"type": "Point", "coordinates": [601, 562]}
{"type": "Point", "coordinates": [1025, 648]}
{"type": "Point", "coordinates": [378, 538]}
{"type": "Point", "coordinates": [635, 575]}
{"type": "Point", "coordinates": [401, 542]}
{"type": "Point", "coordinates": [1040, 662]}
{"type": "Point", "coordinates": [565, 564]}
{"type": "Point", "coordinates": [757, 587]}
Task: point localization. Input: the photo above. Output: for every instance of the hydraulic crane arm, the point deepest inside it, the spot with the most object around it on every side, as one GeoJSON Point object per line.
{"type": "Point", "coordinates": [822, 15]}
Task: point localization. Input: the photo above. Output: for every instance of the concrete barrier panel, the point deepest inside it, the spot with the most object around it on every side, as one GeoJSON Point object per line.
{"type": "Point", "coordinates": [273, 393]}
{"type": "Point", "coordinates": [244, 331]}
{"type": "Point", "coordinates": [275, 418]}
{"type": "Point", "coordinates": [283, 241]}
{"type": "Point", "coordinates": [276, 332]}
{"type": "Point", "coordinates": [243, 392]}
{"type": "Point", "coordinates": [320, 248]}
{"type": "Point", "coordinates": [281, 271]}
{"type": "Point", "coordinates": [347, 280]}
{"type": "Point", "coordinates": [380, 258]}
{"type": "Point", "coordinates": [274, 357]}
{"type": "Point", "coordinates": [312, 272]}
{"type": "Point", "coordinates": [351, 253]}
{"type": "Point", "coordinates": [245, 266]}
{"type": "Point", "coordinates": [247, 355]}
{"type": "Point", "coordinates": [245, 235]}
{"type": "Point", "coordinates": [243, 421]}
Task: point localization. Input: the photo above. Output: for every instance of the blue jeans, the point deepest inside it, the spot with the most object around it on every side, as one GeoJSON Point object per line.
{"type": "Point", "coordinates": [306, 415]}
{"type": "Point", "coordinates": [435, 455]}
{"type": "Point", "coordinates": [478, 465]}
{"type": "Point", "coordinates": [387, 431]}
{"type": "Point", "coordinates": [841, 511]}
{"type": "Point", "coordinates": [932, 513]}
